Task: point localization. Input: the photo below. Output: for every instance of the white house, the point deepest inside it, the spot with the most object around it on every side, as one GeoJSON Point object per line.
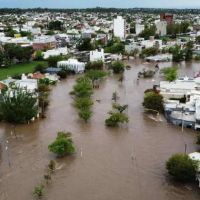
{"type": "Point", "coordinates": [151, 43]}
{"type": "Point", "coordinates": [29, 84]}
{"type": "Point", "coordinates": [119, 27]}
{"type": "Point", "coordinates": [97, 55]}
{"type": "Point", "coordinates": [55, 52]}
{"type": "Point", "coordinates": [72, 64]}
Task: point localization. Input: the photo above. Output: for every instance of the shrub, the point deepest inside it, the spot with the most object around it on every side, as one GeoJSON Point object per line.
{"type": "Point", "coordinates": [63, 145]}
{"type": "Point", "coordinates": [38, 191]}
{"type": "Point", "coordinates": [116, 118]}
{"type": "Point", "coordinates": [116, 47]}
{"type": "Point", "coordinates": [20, 107]}
{"type": "Point", "coordinates": [154, 101]}
{"type": "Point", "coordinates": [44, 81]}
{"type": "Point", "coordinates": [52, 60]}
{"type": "Point", "coordinates": [83, 87]}
{"type": "Point", "coordinates": [40, 68]}
{"type": "Point", "coordinates": [117, 67]}
{"type": "Point", "coordinates": [85, 114]}
{"type": "Point", "coordinates": [170, 73]}
{"type": "Point", "coordinates": [95, 75]}
{"type": "Point", "coordinates": [149, 52]}
{"type": "Point", "coordinates": [62, 74]}
{"type": "Point", "coordinates": [17, 76]}
{"type": "Point", "coordinates": [43, 87]}
{"type": "Point", "coordinates": [182, 167]}
{"type": "Point", "coordinates": [98, 65]}
{"type": "Point", "coordinates": [82, 91]}
{"type": "Point", "coordinates": [83, 103]}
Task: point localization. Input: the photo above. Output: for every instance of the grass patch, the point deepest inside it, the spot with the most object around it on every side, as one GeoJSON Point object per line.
{"type": "Point", "coordinates": [19, 69]}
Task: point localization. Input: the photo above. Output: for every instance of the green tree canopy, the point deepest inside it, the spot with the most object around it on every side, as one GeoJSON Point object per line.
{"type": "Point", "coordinates": [52, 60]}
{"type": "Point", "coordinates": [63, 144]}
{"type": "Point", "coordinates": [149, 52]}
{"type": "Point", "coordinates": [154, 101]}
{"type": "Point", "coordinates": [56, 25]}
{"type": "Point", "coordinates": [148, 31]}
{"type": "Point", "coordinates": [85, 45]}
{"type": "Point", "coordinates": [170, 73]}
{"type": "Point", "coordinates": [182, 167]}
{"type": "Point", "coordinates": [95, 74]}
{"type": "Point", "coordinates": [117, 67]}
{"type": "Point", "coordinates": [94, 65]}
{"type": "Point", "coordinates": [18, 106]}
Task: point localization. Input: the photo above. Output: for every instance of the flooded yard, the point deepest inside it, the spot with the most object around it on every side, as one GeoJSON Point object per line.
{"type": "Point", "coordinates": [125, 163]}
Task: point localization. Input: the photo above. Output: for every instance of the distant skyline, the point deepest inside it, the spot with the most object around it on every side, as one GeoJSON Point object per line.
{"type": "Point", "coordinates": [100, 3]}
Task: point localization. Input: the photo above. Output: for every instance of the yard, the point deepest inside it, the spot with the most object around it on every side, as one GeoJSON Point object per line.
{"type": "Point", "coordinates": [18, 69]}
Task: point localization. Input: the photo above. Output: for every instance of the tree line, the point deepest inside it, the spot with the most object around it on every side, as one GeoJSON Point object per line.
{"type": "Point", "coordinates": [12, 53]}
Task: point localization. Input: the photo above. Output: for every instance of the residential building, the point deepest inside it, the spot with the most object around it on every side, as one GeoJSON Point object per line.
{"type": "Point", "coordinates": [72, 64]}
{"type": "Point", "coordinates": [161, 28]}
{"type": "Point", "coordinates": [44, 42]}
{"type": "Point", "coordinates": [182, 101]}
{"type": "Point", "coordinates": [97, 55]}
{"type": "Point", "coordinates": [55, 52]}
{"type": "Point", "coordinates": [119, 27]}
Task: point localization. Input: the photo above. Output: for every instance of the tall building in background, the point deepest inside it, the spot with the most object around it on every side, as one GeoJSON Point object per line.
{"type": "Point", "coordinates": [119, 27]}
{"type": "Point", "coordinates": [169, 18]}
{"type": "Point", "coordinates": [161, 28]}
{"type": "Point", "coordinates": [139, 28]}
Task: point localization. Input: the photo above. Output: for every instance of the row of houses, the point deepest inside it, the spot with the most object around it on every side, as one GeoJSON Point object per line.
{"type": "Point", "coordinates": [182, 101]}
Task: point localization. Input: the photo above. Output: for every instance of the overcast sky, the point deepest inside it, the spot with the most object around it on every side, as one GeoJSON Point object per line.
{"type": "Point", "coordinates": [101, 3]}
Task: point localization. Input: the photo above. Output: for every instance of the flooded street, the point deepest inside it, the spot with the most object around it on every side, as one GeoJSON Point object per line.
{"type": "Point", "coordinates": [125, 163]}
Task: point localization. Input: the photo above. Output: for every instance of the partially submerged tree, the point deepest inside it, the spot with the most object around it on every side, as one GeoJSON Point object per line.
{"type": "Point", "coordinates": [153, 101]}
{"type": "Point", "coordinates": [18, 106]}
{"type": "Point", "coordinates": [95, 75]}
{"type": "Point", "coordinates": [117, 117]}
{"type": "Point", "coordinates": [85, 114]}
{"type": "Point", "coordinates": [182, 167]}
{"type": "Point", "coordinates": [95, 65]}
{"type": "Point", "coordinates": [170, 73]}
{"type": "Point", "coordinates": [83, 91]}
{"type": "Point", "coordinates": [63, 144]}
{"type": "Point", "coordinates": [38, 191]}
{"type": "Point", "coordinates": [83, 87]}
{"type": "Point", "coordinates": [117, 67]}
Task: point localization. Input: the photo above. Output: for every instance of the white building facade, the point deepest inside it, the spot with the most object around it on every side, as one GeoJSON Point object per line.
{"type": "Point", "coordinates": [139, 28]}
{"type": "Point", "coordinates": [72, 64]}
{"type": "Point", "coordinates": [161, 28]}
{"type": "Point", "coordinates": [97, 55]}
{"type": "Point", "coordinates": [119, 27]}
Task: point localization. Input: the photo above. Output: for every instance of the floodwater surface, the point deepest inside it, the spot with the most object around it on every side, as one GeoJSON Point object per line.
{"type": "Point", "coordinates": [125, 163]}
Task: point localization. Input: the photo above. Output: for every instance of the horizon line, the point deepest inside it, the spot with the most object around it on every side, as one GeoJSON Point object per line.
{"type": "Point", "coordinates": [172, 8]}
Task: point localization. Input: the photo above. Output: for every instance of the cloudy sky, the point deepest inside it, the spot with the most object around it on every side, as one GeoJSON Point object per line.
{"type": "Point", "coordinates": [102, 3]}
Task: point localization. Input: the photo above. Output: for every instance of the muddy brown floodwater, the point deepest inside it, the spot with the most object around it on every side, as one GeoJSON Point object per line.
{"type": "Point", "coordinates": [125, 163]}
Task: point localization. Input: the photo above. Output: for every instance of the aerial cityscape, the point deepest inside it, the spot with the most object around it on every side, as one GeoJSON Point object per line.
{"type": "Point", "coordinates": [99, 100]}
